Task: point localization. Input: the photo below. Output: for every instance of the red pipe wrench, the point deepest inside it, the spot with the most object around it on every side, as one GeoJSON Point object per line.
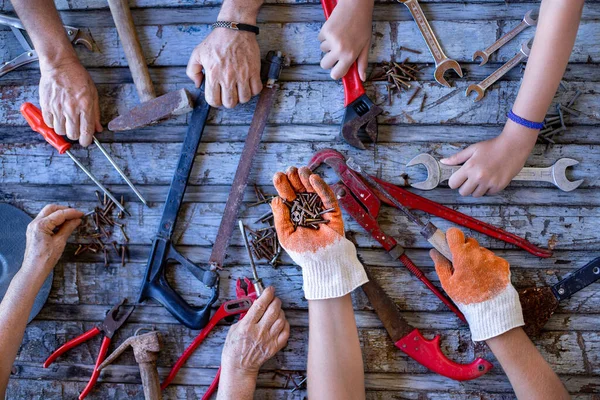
{"type": "Point", "coordinates": [360, 111]}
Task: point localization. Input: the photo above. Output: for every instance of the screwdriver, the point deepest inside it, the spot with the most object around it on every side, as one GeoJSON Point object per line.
{"type": "Point", "coordinates": [34, 117]}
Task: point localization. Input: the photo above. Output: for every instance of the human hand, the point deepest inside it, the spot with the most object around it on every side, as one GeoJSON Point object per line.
{"type": "Point", "coordinates": [69, 100]}
{"type": "Point", "coordinates": [489, 166]}
{"type": "Point", "coordinates": [47, 236]}
{"type": "Point", "coordinates": [346, 37]}
{"type": "Point", "coordinates": [231, 61]}
{"type": "Point", "coordinates": [257, 337]}
{"type": "Point", "coordinates": [479, 283]}
{"type": "Point", "coordinates": [330, 267]}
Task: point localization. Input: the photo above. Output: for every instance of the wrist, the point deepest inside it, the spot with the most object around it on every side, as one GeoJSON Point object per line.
{"type": "Point", "coordinates": [246, 14]}
{"type": "Point", "coordinates": [236, 374]}
{"type": "Point", "coordinates": [59, 57]}
{"type": "Point", "coordinates": [31, 276]}
{"type": "Point", "coordinates": [522, 135]}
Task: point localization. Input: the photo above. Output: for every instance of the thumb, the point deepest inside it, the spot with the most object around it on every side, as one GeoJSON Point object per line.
{"type": "Point", "coordinates": [363, 62]}
{"type": "Point", "coordinates": [442, 267]}
{"type": "Point", "coordinates": [194, 71]}
{"type": "Point", "coordinates": [460, 157]}
{"type": "Point", "coordinates": [281, 217]}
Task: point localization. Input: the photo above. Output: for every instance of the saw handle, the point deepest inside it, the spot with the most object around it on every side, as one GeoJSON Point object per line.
{"type": "Point", "coordinates": [428, 353]}
{"type": "Point", "coordinates": [439, 242]}
{"type": "Point", "coordinates": [353, 87]}
{"type": "Point", "coordinates": [34, 118]}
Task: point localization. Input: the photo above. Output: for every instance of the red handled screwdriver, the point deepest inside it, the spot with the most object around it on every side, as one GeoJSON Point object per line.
{"type": "Point", "coordinates": [34, 117]}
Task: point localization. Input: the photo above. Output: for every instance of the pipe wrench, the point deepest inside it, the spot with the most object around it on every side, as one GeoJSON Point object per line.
{"type": "Point", "coordinates": [76, 36]}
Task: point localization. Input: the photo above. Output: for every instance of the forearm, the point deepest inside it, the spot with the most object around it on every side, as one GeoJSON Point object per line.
{"type": "Point", "coordinates": [244, 11]}
{"type": "Point", "coordinates": [335, 365]}
{"type": "Point", "coordinates": [234, 384]}
{"type": "Point", "coordinates": [14, 312]}
{"type": "Point", "coordinates": [530, 375]}
{"type": "Point", "coordinates": [44, 27]}
{"type": "Point", "coordinates": [556, 30]}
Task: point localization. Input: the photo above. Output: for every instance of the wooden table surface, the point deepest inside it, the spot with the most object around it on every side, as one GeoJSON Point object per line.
{"type": "Point", "coordinates": [306, 118]}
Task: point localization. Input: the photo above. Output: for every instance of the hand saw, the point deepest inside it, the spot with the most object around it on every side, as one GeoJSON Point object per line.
{"type": "Point", "coordinates": [76, 36]}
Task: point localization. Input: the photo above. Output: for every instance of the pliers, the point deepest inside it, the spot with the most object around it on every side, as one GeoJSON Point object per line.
{"type": "Point", "coordinates": [108, 327]}
{"type": "Point", "coordinates": [246, 294]}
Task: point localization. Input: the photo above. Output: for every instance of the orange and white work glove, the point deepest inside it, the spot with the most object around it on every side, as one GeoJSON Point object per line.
{"type": "Point", "coordinates": [479, 283]}
{"type": "Point", "coordinates": [330, 267]}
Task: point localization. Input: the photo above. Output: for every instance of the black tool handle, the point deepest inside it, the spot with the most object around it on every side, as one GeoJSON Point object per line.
{"type": "Point", "coordinates": [579, 279]}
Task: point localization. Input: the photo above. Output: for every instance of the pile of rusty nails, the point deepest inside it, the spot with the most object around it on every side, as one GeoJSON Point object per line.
{"type": "Point", "coordinates": [555, 123]}
{"type": "Point", "coordinates": [101, 223]}
{"type": "Point", "coordinates": [307, 211]}
{"type": "Point", "coordinates": [299, 384]}
{"type": "Point", "coordinates": [263, 241]}
{"type": "Point", "coordinates": [399, 77]}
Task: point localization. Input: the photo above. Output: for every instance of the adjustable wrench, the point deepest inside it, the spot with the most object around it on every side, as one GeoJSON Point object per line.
{"type": "Point", "coordinates": [481, 87]}
{"type": "Point", "coordinates": [524, 24]}
{"type": "Point", "coordinates": [442, 62]}
{"type": "Point", "coordinates": [556, 174]}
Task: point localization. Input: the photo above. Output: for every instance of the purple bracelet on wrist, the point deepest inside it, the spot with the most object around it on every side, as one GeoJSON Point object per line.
{"type": "Point", "coordinates": [524, 122]}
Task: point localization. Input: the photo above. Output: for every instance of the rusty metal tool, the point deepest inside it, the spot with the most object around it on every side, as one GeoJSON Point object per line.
{"type": "Point", "coordinates": [482, 86]}
{"type": "Point", "coordinates": [555, 174]}
{"type": "Point", "coordinates": [36, 121]}
{"type": "Point", "coordinates": [539, 303]}
{"type": "Point", "coordinates": [257, 281]}
{"type": "Point", "coordinates": [145, 349]}
{"type": "Point", "coordinates": [245, 298]}
{"type": "Point", "coordinates": [272, 69]}
{"type": "Point", "coordinates": [108, 327]}
{"type": "Point", "coordinates": [434, 235]}
{"type": "Point", "coordinates": [76, 36]}
{"type": "Point", "coordinates": [409, 340]}
{"type": "Point", "coordinates": [360, 112]}
{"type": "Point", "coordinates": [153, 109]}
{"type": "Point", "coordinates": [507, 37]}
{"type": "Point", "coordinates": [163, 253]}
{"type": "Point", "coordinates": [442, 62]}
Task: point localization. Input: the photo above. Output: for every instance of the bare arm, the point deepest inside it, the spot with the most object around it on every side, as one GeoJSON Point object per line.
{"type": "Point", "coordinates": [530, 375]}
{"type": "Point", "coordinates": [44, 248]}
{"type": "Point", "coordinates": [489, 166]}
{"type": "Point", "coordinates": [230, 59]}
{"type": "Point", "coordinates": [335, 365]}
{"type": "Point", "coordinates": [68, 97]}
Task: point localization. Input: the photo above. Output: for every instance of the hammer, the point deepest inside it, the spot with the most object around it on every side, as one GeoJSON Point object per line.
{"type": "Point", "coordinates": [145, 349]}
{"type": "Point", "coordinates": [152, 109]}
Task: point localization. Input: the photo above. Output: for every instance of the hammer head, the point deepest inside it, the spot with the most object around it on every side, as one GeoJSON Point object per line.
{"type": "Point", "coordinates": [434, 173]}
{"type": "Point", "coordinates": [150, 112]}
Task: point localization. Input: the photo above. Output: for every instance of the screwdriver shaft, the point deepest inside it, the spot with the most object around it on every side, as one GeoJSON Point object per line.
{"type": "Point", "coordinates": [97, 182]}
{"type": "Point", "coordinates": [119, 170]}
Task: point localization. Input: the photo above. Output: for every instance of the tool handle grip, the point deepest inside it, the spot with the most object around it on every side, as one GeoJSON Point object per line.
{"type": "Point", "coordinates": [70, 344]}
{"type": "Point", "coordinates": [428, 353]}
{"type": "Point", "coordinates": [96, 373]}
{"type": "Point", "coordinates": [131, 47]}
{"type": "Point", "coordinates": [353, 87]}
{"type": "Point", "coordinates": [34, 118]}
{"type": "Point", "coordinates": [439, 242]}
{"type": "Point", "coordinates": [150, 381]}
{"type": "Point", "coordinates": [213, 386]}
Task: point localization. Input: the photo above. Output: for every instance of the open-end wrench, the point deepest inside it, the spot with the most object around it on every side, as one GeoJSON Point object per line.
{"type": "Point", "coordinates": [442, 62]}
{"type": "Point", "coordinates": [524, 24]}
{"type": "Point", "coordinates": [481, 87]}
{"type": "Point", "coordinates": [438, 172]}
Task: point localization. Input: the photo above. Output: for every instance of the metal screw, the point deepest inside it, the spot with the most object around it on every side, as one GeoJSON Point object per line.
{"type": "Point", "coordinates": [561, 291]}
{"type": "Point", "coordinates": [69, 32]}
{"type": "Point", "coordinates": [596, 270]}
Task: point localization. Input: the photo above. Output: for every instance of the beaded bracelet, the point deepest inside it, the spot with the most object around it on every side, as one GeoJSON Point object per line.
{"type": "Point", "coordinates": [524, 122]}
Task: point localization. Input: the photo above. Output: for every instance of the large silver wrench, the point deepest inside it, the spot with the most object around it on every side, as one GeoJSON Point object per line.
{"type": "Point", "coordinates": [524, 24]}
{"type": "Point", "coordinates": [442, 62]}
{"type": "Point", "coordinates": [438, 172]}
{"type": "Point", "coordinates": [481, 87]}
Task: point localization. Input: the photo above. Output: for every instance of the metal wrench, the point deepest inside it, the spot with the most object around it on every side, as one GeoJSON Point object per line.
{"type": "Point", "coordinates": [556, 174]}
{"type": "Point", "coordinates": [481, 87]}
{"type": "Point", "coordinates": [524, 24]}
{"type": "Point", "coordinates": [442, 62]}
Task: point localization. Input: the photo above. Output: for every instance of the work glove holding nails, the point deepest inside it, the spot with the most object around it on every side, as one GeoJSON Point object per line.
{"type": "Point", "coordinates": [330, 267]}
{"type": "Point", "coordinates": [479, 283]}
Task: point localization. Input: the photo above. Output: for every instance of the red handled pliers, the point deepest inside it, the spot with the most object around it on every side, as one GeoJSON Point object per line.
{"type": "Point", "coordinates": [246, 294]}
{"type": "Point", "coordinates": [108, 327]}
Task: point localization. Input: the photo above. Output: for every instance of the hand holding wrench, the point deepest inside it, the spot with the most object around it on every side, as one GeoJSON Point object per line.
{"type": "Point", "coordinates": [525, 23]}
{"type": "Point", "coordinates": [442, 62]}
{"type": "Point", "coordinates": [555, 174]}
{"type": "Point", "coordinates": [481, 87]}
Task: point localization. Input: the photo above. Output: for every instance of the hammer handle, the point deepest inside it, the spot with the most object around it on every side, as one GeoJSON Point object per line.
{"type": "Point", "coordinates": [133, 50]}
{"type": "Point", "coordinates": [150, 381]}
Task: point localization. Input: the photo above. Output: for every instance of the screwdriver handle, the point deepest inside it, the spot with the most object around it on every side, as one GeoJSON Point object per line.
{"type": "Point", "coordinates": [34, 118]}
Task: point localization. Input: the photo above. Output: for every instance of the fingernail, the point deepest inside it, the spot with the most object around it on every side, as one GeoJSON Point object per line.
{"type": "Point", "coordinates": [444, 160]}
